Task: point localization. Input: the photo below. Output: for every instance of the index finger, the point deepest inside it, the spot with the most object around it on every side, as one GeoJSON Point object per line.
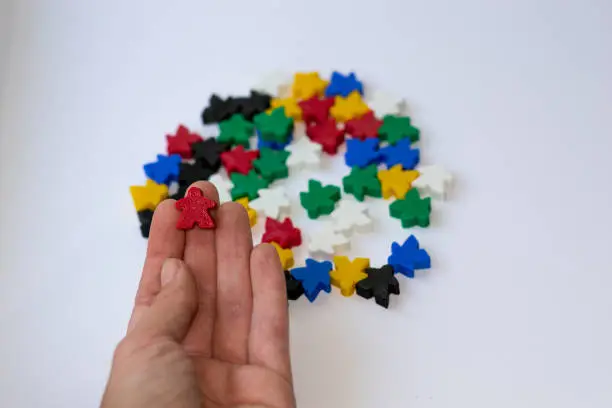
{"type": "Point", "coordinates": [165, 241]}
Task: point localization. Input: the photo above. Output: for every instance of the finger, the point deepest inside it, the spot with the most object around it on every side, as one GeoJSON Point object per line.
{"type": "Point", "coordinates": [234, 299]}
{"type": "Point", "coordinates": [165, 241]}
{"type": "Point", "coordinates": [173, 309]}
{"type": "Point", "coordinates": [200, 257]}
{"type": "Point", "coordinates": [269, 337]}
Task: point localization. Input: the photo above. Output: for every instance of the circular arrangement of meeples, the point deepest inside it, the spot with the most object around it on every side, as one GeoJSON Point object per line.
{"type": "Point", "coordinates": [381, 154]}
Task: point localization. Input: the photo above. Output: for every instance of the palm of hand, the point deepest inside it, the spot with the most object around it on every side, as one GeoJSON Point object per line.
{"type": "Point", "coordinates": [225, 336]}
{"type": "Point", "coordinates": [225, 384]}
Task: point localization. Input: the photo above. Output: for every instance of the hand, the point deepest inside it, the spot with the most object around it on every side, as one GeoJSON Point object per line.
{"type": "Point", "coordinates": [210, 323]}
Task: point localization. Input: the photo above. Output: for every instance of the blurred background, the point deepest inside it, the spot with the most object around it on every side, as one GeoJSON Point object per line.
{"type": "Point", "coordinates": [514, 97]}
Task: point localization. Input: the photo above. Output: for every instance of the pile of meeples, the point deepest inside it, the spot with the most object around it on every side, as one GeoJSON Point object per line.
{"type": "Point", "coordinates": [292, 122]}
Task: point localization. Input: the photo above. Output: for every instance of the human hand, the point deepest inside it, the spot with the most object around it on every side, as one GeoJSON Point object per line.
{"type": "Point", "coordinates": [210, 323]}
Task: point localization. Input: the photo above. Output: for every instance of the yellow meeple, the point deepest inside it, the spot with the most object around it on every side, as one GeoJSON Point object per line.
{"type": "Point", "coordinates": [251, 212]}
{"type": "Point", "coordinates": [347, 273]}
{"type": "Point", "coordinates": [396, 181]}
{"type": "Point", "coordinates": [307, 85]}
{"type": "Point", "coordinates": [292, 109]}
{"type": "Point", "coordinates": [348, 108]}
{"type": "Point", "coordinates": [149, 196]}
{"type": "Point", "coordinates": [285, 256]}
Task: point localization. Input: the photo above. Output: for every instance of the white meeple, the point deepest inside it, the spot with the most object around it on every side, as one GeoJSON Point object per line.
{"type": "Point", "coordinates": [350, 216]}
{"type": "Point", "coordinates": [272, 202]}
{"type": "Point", "coordinates": [433, 180]}
{"type": "Point", "coordinates": [327, 241]}
{"type": "Point", "coordinates": [223, 187]}
{"type": "Point", "coordinates": [304, 154]}
{"type": "Point", "coordinates": [383, 104]}
{"type": "Point", "coordinates": [276, 83]}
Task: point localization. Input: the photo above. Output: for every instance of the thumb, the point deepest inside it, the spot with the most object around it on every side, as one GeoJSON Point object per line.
{"type": "Point", "coordinates": [175, 305]}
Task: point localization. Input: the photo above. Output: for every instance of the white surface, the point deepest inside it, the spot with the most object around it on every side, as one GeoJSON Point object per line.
{"type": "Point", "coordinates": [6, 14]}
{"type": "Point", "coordinates": [514, 97]}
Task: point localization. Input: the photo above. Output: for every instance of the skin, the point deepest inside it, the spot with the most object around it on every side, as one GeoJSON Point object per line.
{"type": "Point", "coordinates": [210, 323]}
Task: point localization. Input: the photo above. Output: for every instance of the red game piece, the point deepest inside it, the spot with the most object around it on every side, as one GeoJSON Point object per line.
{"type": "Point", "coordinates": [194, 209]}
{"type": "Point", "coordinates": [315, 109]}
{"type": "Point", "coordinates": [327, 135]}
{"type": "Point", "coordinates": [364, 127]}
{"type": "Point", "coordinates": [239, 160]}
{"type": "Point", "coordinates": [283, 233]}
{"type": "Point", "coordinates": [182, 141]}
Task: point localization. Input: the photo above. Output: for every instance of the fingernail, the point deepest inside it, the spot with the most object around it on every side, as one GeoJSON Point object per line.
{"type": "Point", "coordinates": [169, 270]}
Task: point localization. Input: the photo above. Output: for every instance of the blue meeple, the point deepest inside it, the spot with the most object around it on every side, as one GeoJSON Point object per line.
{"type": "Point", "coordinates": [165, 170]}
{"type": "Point", "coordinates": [343, 85]}
{"type": "Point", "coordinates": [361, 153]}
{"type": "Point", "coordinates": [400, 153]}
{"type": "Point", "coordinates": [314, 277]}
{"type": "Point", "coordinates": [408, 257]}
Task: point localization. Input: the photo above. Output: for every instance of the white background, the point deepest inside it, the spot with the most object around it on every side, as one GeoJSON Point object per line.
{"type": "Point", "coordinates": [515, 97]}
